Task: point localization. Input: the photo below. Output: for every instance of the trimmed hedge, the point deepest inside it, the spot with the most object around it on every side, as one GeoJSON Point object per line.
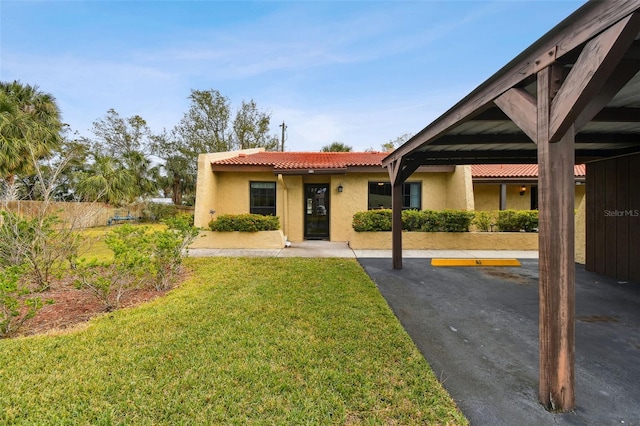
{"type": "Point", "coordinates": [414, 220]}
{"type": "Point", "coordinates": [517, 220]}
{"type": "Point", "coordinates": [447, 220]}
{"type": "Point", "coordinates": [372, 220]}
{"type": "Point", "coordinates": [245, 223]}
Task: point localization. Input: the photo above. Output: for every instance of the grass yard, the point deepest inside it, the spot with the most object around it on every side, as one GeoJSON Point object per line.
{"type": "Point", "coordinates": [242, 341]}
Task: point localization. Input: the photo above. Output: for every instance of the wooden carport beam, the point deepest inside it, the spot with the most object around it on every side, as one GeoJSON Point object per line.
{"type": "Point", "coordinates": [596, 63]}
{"type": "Point", "coordinates": [595, 109]}
{"type": "Point", "coordinates": [520, 106]}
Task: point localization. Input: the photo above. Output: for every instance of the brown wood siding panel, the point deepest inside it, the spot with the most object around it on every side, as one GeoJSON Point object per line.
{"type": "Point", "coordinates": [610, 221]}
{"type": "Point", "coordinates": [634, 219]}
{"type": "Point", "coordinates": [590, 216]}
{"type": "Point", "coordinates": [613, 218]}
{"type": "Point", "coordinates": [622, 222]}
{"type": "Point", "coordinates": [599, 175]}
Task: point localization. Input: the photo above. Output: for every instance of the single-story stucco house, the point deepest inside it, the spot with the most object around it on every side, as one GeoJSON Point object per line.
{"type": "Point", "coordinates": [316, 194]}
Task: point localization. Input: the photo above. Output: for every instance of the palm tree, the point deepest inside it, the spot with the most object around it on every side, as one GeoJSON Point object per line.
{"type": "Point", "coordinates": [336, 147]}
{"type": "Point", "coordinates": [30, 128]}
{"type": "Point", "coordinates": [145, 175]}
{"type": "Point", "coordinates": [107, 181]}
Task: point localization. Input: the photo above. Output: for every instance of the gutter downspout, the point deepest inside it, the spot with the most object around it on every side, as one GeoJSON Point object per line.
{"type": "Point", "coordinates": [285, 207]}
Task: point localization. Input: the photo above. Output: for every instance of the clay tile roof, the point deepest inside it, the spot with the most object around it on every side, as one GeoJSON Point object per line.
{"type": "Point", "coordinates": [306, 160]}
{"type": "Point", "coordinates": [514, 170]}
{"type": "Point", "coordinates": [341, 160]}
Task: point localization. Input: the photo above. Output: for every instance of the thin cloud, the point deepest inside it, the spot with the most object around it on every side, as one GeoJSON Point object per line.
{"type": "Point", "coordinates": [361, 73]}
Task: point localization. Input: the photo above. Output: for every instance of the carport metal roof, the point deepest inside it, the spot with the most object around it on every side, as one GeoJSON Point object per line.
{"type": "Point", "coordinates": [571, 97]}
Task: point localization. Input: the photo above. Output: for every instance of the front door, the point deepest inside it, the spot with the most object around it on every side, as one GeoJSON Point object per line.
{"type": "Point", "coordinates": [316, 211]}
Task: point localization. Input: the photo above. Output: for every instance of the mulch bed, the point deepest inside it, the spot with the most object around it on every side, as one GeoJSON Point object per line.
{"type": "Point", "coordinates": [71, 307]}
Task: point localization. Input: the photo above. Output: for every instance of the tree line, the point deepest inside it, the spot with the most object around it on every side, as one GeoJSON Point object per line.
{"type": "Point", "coordinates": [124, 160]}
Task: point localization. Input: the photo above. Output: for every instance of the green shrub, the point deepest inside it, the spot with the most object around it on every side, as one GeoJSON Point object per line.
{"type": "Point", "coordinates": [39, 244]}
{"type": "Point", "coordinates": [372, 220]}
{"type": "Point", "coordinates": [140, 258]}
{"type": "Point", "coordinates": [131, 266]}
{"type": "Point", "coordinates": [158, 212]}
{"type": "Point", "coordinates": [517, 220]}
{"type": "Point", "coordinates": [168, 249]}
{"type": "Point", "coordinates": [455, 220]}
{"type": "Point", "coordinates": [247, 222]}
{"type": "Point", "coordinates": [413, 220]}
{"type": "Point", "coordinates": [14, 307]}
{"type": "Point", "coordinates": [484, 220]}
{"type": "Point", "coordinates": [431, 222]}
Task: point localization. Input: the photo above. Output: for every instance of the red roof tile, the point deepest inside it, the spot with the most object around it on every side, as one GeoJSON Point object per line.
{"type": "Point", "coordinates": [340, 160]}
{"type": "Point", "coordinates": [306, 160]}
{"type": "Point", "coordinates": [514, 170]}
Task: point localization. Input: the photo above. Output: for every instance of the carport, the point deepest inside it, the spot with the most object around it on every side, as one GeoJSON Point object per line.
{"type": "Point", "coordinates": [571, 97]}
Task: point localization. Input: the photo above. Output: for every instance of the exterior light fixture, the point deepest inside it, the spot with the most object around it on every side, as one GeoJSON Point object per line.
{"type": "Point", "coordinates": [523, 189]}
{"type": "Point", "coordinates": [340, 188]}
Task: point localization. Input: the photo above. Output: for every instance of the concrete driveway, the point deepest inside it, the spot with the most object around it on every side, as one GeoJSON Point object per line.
{"type": "Point", "coordinates": [478, 328]}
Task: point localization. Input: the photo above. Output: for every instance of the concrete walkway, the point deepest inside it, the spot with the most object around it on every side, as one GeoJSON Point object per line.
{"type": "Point", "coordinates": [342, 249]}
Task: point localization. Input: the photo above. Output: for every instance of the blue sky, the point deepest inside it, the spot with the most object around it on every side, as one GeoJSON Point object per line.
{"type": "Point", "coordinates": [357, 72]}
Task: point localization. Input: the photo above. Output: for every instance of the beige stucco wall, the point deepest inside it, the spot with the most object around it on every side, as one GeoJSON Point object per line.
{"type": "Point", "coordinates": [228, 193]}
{"type": "Point", "coordinates": [487, 197]}
{"type": "Point", "coordinates": [580, 226]}
{"type": "Point", "coordinates": [580, 191]}
{"type": "Point", "coordinates": [515, 201]}
{"type": "Point", "coordinates": [206, 185]}
{"type": "Point", "coordinates": [460, 189]}
{"type": "Point", "coordinates": [447, 240]}
{"type": "Point", "coordinates": [239, 240]}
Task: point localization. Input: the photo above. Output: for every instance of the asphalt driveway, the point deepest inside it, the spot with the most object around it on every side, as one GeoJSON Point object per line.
{"type": "Point", "coordinates": [478, 328]}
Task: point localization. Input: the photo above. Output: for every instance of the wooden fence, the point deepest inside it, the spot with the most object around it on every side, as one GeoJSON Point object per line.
{"type": "Point", "coordinates": [78, 215]}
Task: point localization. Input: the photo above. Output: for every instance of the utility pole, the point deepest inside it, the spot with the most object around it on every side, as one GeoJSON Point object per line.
{"type": "Point", "coordinates": [284, 127]}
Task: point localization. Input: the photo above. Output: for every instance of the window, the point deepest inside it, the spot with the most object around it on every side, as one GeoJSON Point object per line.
{"type": "Point", "coordinates": [380, 195]}
{"type": "Point", "coordinates": [262, 197]}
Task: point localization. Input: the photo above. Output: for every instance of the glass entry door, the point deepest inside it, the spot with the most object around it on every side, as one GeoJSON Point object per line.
{"type": "Point", "coordinates": [316, 211]}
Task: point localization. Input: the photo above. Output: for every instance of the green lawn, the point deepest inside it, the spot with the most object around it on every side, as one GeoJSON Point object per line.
{"type": "Point", "coordinates": [243, 341]}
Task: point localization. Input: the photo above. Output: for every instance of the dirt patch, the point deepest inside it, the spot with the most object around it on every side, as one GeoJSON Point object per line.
{"type": "Point", "coordinates": [507, 275]}
{"type": "Point", "coordinates": [598, 318]}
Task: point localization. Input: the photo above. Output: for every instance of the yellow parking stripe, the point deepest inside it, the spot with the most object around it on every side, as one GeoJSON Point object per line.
{"type": "Point", "coordinates": [475, 262]}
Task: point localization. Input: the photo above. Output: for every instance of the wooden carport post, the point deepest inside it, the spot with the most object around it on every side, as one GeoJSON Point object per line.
{"type": "Point", "coordinates": [556, 255]}
{"type": "Point", "coordinates": [550, 120]}
{"type": "Point", "coordinates": [396, 224]}
{"type": "Point", "coordinates": [395, 175]}
{"type": "Point", "coordinates": [399, 172]}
